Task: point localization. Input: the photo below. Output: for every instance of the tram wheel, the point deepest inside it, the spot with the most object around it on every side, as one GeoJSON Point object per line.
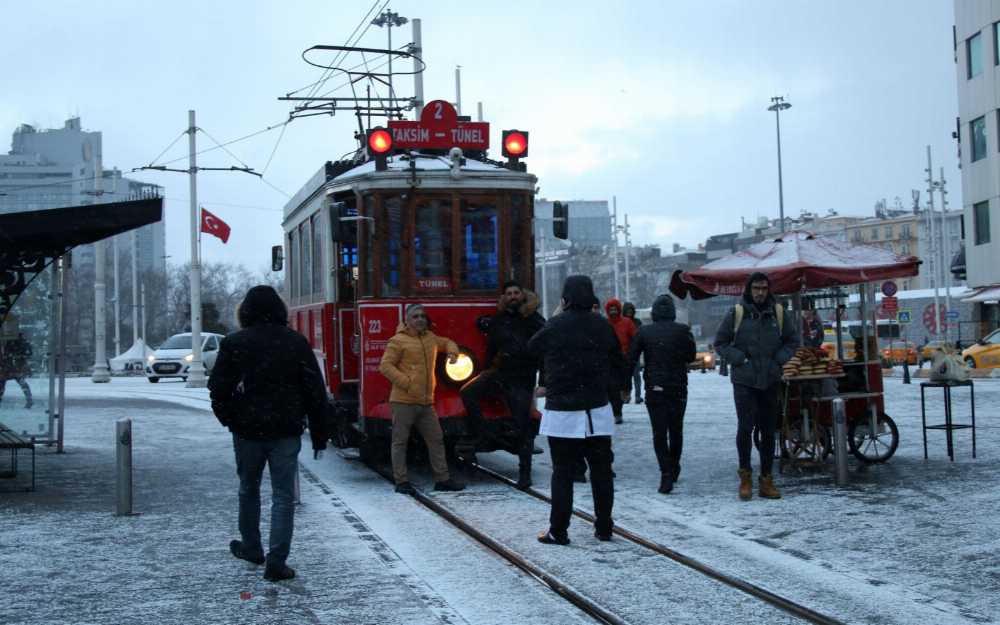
{"type": "Point", "coordinates": [796, 445]}
{"type": "Point", "coordinates": [871, 449]}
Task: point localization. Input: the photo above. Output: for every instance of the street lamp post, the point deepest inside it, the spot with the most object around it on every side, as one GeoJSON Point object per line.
{"type": "Point", "coordinates": [388, 19]}
{"type": "Point", "coordinates": [778, 106]}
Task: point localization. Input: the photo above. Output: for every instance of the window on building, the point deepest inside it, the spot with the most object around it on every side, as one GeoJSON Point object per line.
{"type": "Point", "coordinates": [978, 132]}
{"type": "Point", "coordinates": [974, 55]}
{"type": "Point", "coordinates": [904, 248]}
{"type": "Point", "coordinates": [996, 43]}
{"type": "Point", "coordinates": [906, 231]}
{"type": "Point", "coordinates": [906, 287]}
{"type": "Point", "coordinates": [888, 232]}
{"type": "Point", "coordinates": [981, 219]}
{"type": "Point", "coordinates": [888, 247]}
{"type": "Point", "coordinates": [857, 236]}
{"type": "Point", "coordinates": [874, 234]}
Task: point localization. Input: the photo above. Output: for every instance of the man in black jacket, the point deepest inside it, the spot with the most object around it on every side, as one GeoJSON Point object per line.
{"type": "Point", "coordinates": [667, 348]}
{"type": "Point", "coordinates": [756, 338]}
{"type": "Point", "coordinates": [265, 385]}
{"type": "Point", "coordinates": [578, 347]}
{"type": "Point", "coordinates": [509, 370]}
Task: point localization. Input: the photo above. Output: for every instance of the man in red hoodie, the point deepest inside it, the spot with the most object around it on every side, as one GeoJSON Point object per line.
{"type": "Point", "coordinates": [625, 330]}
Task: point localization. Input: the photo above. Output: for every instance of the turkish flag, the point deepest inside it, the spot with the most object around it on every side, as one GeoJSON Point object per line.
{"type": "Point", "coordinates": [214, 226]}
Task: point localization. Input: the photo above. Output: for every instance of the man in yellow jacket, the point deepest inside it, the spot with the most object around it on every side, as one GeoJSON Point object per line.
{"type": "Point", "coordinates": [409, 362]}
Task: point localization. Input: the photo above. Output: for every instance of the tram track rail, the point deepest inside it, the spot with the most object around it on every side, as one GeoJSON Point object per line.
{"type": "Point", "coordinates": [762, 594]}
{"type": "Point", "coordinates": [581, 602]}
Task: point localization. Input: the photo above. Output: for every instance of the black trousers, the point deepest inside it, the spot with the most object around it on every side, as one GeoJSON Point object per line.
{"type": "Point", "coordinates": [567, 454]}
{"type": "Point", "coordinates": [756, 407]}
{"type": "Point", "coordinates": [666, 414]}
{"type": "Point", "coordinates": [518, 397]}
{"type": "Point", "coordinates": [615, 397]}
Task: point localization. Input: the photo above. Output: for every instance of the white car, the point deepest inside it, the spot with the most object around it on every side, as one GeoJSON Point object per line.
{"type": "Point", "coordinates": [173, 358]}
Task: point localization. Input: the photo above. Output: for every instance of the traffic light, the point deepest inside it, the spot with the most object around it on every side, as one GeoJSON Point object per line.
{"type": "Point", "coordinates": [379, 147]}
{"type": "Point", "coordinates": [560, 220]}
{"type": "Point", "coordinates": [515, 147]}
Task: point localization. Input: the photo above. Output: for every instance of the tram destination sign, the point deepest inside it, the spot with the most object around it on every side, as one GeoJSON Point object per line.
{"type": "Point", "coordinates": [439, 128]}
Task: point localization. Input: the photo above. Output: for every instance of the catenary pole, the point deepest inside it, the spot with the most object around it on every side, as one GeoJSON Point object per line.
{"type": "Point", "coordinates": [196, 372]}
{"type": "Point", "coordinates": [628, 252]}
{"type": "Point", "coordinates": [614, 241]}
{"type": "Point", "coordinates": [118, 307]}
{"type": "Point", "coordinates": [933, 244]}
{"type": "Point", "coordinates": [945, 253]}
{"type": "Point", "coordinates": [100, 374]}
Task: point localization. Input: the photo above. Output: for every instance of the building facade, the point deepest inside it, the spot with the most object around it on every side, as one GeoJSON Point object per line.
{"type": "Point", "coordinates": [54, 168]}
{"type": "Point", "coordinates": [977, 63]}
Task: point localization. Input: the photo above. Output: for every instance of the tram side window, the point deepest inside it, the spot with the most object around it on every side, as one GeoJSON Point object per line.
{"type": "Point", "coordinates": [293, 264]}
{"type": "Point", "coordinates": [369, 238]}
{"type": "Point", "coordinates": [348, 275]}
{"type": "Point", "coordinates": [305, 276]}
{"type": "Point", "coordinates": [317, 247]}
{"type": "Point", "coordinates": [392, 256]}
{"type": "Point", "coordinates": [432, 246]}
{"type": "Point", "coordinates": [479, 241]}
{"type": "Point", "coordinates": [517, 252]}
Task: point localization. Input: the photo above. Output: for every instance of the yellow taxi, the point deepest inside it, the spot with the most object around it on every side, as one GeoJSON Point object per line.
{"type": "Point", "coordinates": [897, 351]}
{"type": "Point", "coordinates": [931, 346]}
{"type": "Point", "coordinates": [705, 358]}
{"type": "Point", "coordinates": [830, 344]}
{"type": "Point", "coordinates": [985, 354]}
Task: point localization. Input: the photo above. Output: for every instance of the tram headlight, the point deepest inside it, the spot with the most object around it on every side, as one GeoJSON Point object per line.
{"type": "Point", "coordinates": [461, 370]}
{"type": "Point", "coordinates": [456, 375]}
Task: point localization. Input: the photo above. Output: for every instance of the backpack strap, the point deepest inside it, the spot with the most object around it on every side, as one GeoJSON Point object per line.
{"type": "Point", "coordinates": [779, 312]}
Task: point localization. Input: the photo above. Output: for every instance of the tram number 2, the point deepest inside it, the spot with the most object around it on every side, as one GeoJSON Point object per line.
{"type": "Point", "coordinates": [374, 326]}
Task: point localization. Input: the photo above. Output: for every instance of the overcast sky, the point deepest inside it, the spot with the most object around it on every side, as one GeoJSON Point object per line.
{"type": "Point", "coordinates": [662, 105]}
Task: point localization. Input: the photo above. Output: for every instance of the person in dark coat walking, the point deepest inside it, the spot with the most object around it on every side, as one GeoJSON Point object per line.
{"type": "Point", "coordinates": [667, 347]}
{"type": "Point", "coordinates": [509, 370]}
{"type": "Point", "coordinates": [14, 366]}
{"type": "Point", "coordinates": [577, 348]}
{"type": "Point", "coordinates": [628, 311]}
{"type": "Point", "coordinates": [756, 347]}
{"type": "Point", "coordinates": [266, 387]}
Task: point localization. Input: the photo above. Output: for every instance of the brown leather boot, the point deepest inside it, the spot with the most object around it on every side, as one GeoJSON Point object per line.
{"type": "Point", "coordinates": [746, 484]}
{"type": "Point", "coordinates": [766, 489]}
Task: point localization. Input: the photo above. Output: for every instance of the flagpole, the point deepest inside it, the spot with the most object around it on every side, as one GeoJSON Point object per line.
{"type": "Point", "coordinates": [196, 372]}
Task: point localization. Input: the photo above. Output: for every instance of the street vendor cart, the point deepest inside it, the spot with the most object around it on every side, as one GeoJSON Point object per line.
{"type": "Point", "coordinates": [813, 270]}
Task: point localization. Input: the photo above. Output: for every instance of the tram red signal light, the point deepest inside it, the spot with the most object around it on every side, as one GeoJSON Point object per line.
{"type": "Point", "coordinates": [515, 144]}
{"type": "Point", "coordinates": [379, 147]}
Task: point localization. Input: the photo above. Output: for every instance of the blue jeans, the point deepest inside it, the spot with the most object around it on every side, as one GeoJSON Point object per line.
{"type": "Point", "coordinates": [282, 458]}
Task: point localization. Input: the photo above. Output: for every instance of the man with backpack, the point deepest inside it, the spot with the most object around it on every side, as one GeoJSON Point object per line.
{"type": "Point", "coordinates": [756, 338]}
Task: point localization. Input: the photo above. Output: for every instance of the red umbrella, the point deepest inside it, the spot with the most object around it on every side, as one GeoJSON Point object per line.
{"type": "Point", "coordinates": [794, 261]}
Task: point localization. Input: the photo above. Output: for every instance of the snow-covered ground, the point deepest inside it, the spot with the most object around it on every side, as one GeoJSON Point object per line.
{"type": "Point", "coordinates": [909, 541]}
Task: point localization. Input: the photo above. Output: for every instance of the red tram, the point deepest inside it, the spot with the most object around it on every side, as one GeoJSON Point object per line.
{"type": "Point", "coordinates": [367, 237]}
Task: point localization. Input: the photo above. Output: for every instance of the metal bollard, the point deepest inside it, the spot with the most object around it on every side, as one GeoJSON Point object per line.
{"type": "Point", "coordinates": [298, 498]}
{"type": "Point", "coordinates": [123, 466]}
{"type": "Point", "coordinates": [703, 369]}
{"type": "Point", "coordinates": [840, 441]}
{"type": "Point", "coordinates": [906, 371]}
{"type": "Point", "coordinates": [723, 368]}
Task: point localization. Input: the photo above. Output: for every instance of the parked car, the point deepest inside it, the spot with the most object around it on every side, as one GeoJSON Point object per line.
{"type": "Point", "coordinates": [173, 358]}
{"type": "Point", "coordinates": [830, 344]}
{"type": "Point", "coordinates": [705, 358]}
{"type": "Point", "coordinates": [896, 352]}
{"type": "Point", "coordinates": [930, 346]}
{"type": "Point", "coordinates": [985, 353]}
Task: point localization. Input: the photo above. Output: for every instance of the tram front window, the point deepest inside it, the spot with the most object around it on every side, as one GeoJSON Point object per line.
{"type": "Point", "coordinates": [479, 242]}
{"type": "Point", "coordinates": [392, 256]}
{"type": "Point", "coordinates": [432, 246]}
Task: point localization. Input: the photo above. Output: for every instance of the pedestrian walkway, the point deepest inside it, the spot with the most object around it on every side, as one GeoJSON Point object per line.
{"type": "Point", "coordinates": [66, 558]}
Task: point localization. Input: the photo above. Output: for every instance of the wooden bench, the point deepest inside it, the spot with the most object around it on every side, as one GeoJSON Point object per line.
{"type": "Point", "coordinates": [13, 442]}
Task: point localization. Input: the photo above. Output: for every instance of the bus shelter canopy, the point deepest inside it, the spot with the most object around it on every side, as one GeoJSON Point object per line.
{"type": "Point", "coordinates": [30, 240]}
{"type": "Point", "coordinates": [794, 261]}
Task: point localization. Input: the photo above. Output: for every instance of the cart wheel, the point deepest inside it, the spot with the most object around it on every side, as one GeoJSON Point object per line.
{"type": "Point", "coordinates": [795, 444]}
{"type": "Point", "coordinates": [872, 449]}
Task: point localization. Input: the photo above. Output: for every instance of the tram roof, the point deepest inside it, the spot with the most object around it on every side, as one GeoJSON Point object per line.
{"type": "Point", "coordinates": [433, 172]}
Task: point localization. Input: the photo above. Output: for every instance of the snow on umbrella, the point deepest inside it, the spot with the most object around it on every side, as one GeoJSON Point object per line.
{"type": "Point", "coordinates": [795, 261]}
